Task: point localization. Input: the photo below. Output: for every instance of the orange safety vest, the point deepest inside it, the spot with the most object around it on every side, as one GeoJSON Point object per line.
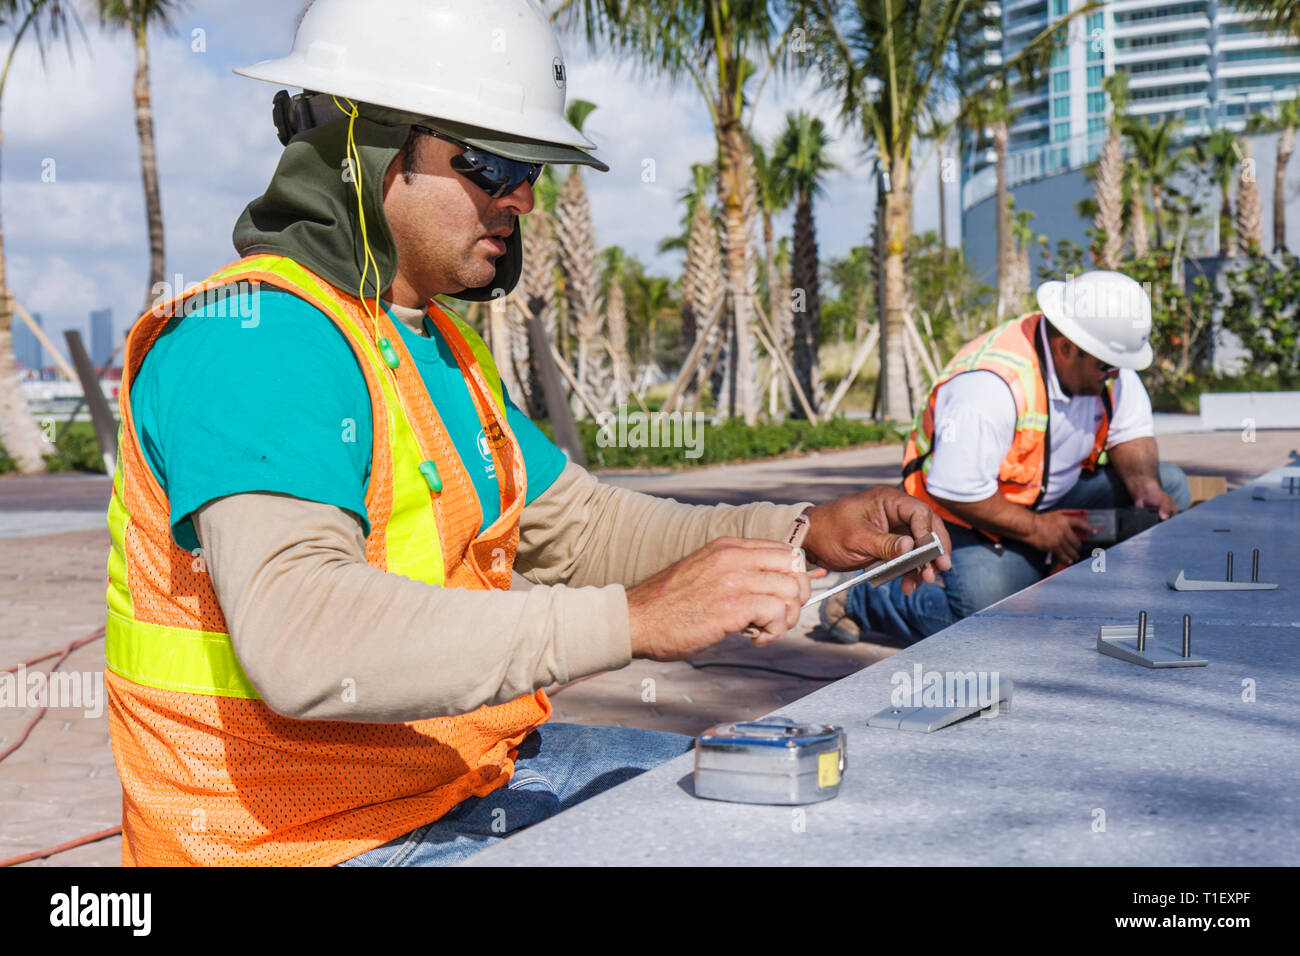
{"type": "Point", "coordinates": [210, 774]}
{"type": "Point", "coordinates": [1014, 352]}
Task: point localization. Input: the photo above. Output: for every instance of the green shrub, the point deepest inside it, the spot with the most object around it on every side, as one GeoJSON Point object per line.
{"type": "Point", "coordinates": [732, 440]}
{"type": "Point", "coordinates": [77, 451]}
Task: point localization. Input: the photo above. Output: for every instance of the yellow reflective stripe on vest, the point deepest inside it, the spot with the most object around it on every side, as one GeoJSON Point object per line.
{"type": "Point", "coordinates": [175, 658]}
{"type": "Point", "coordinates": [411, 538]}
{"type": "Point", "coordinates": [483, 355]}
{"type": "Point", "coordinates": [119, 589]}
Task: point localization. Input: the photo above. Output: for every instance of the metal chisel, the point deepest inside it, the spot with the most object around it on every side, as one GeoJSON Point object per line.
{"type": "Point", "coordinates": [888, 570]}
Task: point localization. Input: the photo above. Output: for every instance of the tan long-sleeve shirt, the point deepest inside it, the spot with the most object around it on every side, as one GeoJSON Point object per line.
{"type": "Point", "coordinates": [325, 636]}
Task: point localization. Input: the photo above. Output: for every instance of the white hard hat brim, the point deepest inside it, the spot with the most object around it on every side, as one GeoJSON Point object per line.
{"type": "Point", "coordinates": [1051, 300]}
{"type": "Point", "coordinates": [508, 124]}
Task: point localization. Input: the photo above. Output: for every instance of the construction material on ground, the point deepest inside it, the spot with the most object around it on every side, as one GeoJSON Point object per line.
{"type": "Point", "coordinates": [1205, 487]}
{"type": "Point", "coordinates": [773, 761]}
{"type": "Point", "coordinates": [1100, 764]}
{"type": "Point", "coordinates": [100, 415]}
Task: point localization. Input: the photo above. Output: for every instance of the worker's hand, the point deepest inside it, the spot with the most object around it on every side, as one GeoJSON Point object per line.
{"type": "Point", "coordinates": [1060, 534]}
{"type": "Point", "coordinates": [726, 586]}
{"type": "Point", "coordinates": [877, 524]}
{"type": "Point", "coordinates": [1155, 497]}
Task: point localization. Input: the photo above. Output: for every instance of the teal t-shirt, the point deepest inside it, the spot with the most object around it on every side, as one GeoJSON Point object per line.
{"type": "Point", "coordinates": [276, 402]}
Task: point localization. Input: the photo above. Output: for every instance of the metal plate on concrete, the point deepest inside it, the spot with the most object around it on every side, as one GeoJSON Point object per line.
{"type": "Point", "coordinates": [1181, 582]}
{"type": "Point", "coordinates": [1120, 641]}
{"type": "Point", "coordinates": [927, 720]}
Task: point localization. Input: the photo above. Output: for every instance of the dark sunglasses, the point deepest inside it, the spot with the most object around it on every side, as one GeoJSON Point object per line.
{"type": "Point", "coordinates": [495, 175]}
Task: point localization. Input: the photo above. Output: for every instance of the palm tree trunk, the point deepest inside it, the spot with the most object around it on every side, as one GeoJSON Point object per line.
{"type": "Point", "coordinates": [148, 165]}
{"type": "Point", "coordinates": [894, 399]}
{"type": "Point", "coordinates": [1158, 213]}
{"type": "Point", "coordinates": [808, 321]}
{"type": "Point", "coordinates": [1285, 146]}
{"type": "Point", "coordinates": [578, 257]}
{"type": "Point", "coordinates": [1228, 247]}
{"type": "Point", "coordinates": [1110, 201]}
{"type": "Point", "coordinates": [943, 210]}
{"type": "Point", "coordinates": [1137, 223]}
{"type": "Point", "coordinates": [735, 176]}
{"type": "Point", "coordinates": [1249, 232]}
{"type": "Point", "coordinates": [777, 298]}
{"type": "Point", "coordinates": [1005, 250]}
{"type": "Point", "coordinates": [18, 432]}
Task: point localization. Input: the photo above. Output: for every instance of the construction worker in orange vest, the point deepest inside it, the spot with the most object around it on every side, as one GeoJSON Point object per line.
{"type": "Point", "coordinates": [313, 652]}
{"type": "Point", "coordinates": [1028, 425]}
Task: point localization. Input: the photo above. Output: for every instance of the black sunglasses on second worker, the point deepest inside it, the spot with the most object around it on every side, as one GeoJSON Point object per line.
{"type": "Point", "coordinates": [495, 175]}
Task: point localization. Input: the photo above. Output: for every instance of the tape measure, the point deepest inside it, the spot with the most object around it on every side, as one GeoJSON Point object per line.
{"type": "Point", "coordinates": [774, 760]}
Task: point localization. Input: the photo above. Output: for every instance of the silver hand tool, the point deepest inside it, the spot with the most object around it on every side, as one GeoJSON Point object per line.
{"type": "Point", "coordinates": [888, 570]}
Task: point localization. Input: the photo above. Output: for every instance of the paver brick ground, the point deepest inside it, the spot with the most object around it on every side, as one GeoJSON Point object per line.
{"type": "Point", "coordinates": [62, 783]}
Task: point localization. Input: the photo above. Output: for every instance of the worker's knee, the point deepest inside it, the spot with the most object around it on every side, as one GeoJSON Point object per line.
{"type": "Point", "coordinates": [1174, 482]}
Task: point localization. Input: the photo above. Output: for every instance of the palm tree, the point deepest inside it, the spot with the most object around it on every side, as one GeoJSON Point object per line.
{"type": "Point", "coordinates": [1284, 124]}
{"type": "Point", "coordinates": [613, 269]}
{"type": "Point", "coordinates": [801, 157]}
{"type": "Point", "coordinates": [994, 112]}
{"type": "Point", "coordinates": [578, 257]}
{"type": "Point", "coordinates": [18, 432]}
{"type": "Point", "coordinates": [1024, 237]}
{"type": "Point", "coordinates": [136, 16]}
{"type": "Point", "coordinates": [1282, 16]}
{"type": "Point", "coordinates": [892, 62]}
{"type": "Point", "coordinates": [703, 286]}
{"type": "Point", "coordinates": [1160, 163]}
{"type": "Point", "coordinates": [538, 297]}
{"type": "Point", "coordinates": [1217, 153]}
{"type": "Point", "coordinates": [1110, 177]}
{"type": "Point", "coordinates": [1135, 190]}
{"type": "Point", "coordinates": [654, 296]}
{"type": "Point", "coordinates": [717, 45]}
{"type": "Point", "coordinates": [1288, 119]}
{"type": "Point", "coordinates": [1249, 209]}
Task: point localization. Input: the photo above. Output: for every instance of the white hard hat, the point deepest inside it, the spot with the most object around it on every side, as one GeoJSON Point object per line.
{"type": "Point", "coordinates": [494, 65]}
{"type": "Point", "coordinates": [1106, 314]}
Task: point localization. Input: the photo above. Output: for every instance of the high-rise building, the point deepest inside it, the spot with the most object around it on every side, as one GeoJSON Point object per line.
{"type": "Point", "coordinates": [27, 347]}
{"type": "Point", "coordinates": [1203, 61]}
{"type": "Point", "coordinates": [101, 337]}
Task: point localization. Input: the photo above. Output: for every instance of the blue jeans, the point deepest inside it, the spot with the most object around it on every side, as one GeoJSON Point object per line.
{"type": "Point", "coordinates": [558, 766]}
{"type": "Point", "coordinates": [983, 573]}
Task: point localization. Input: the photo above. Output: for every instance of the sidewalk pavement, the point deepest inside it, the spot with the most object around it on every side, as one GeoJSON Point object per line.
{"type": "Point", "coordinates": [62, 784]}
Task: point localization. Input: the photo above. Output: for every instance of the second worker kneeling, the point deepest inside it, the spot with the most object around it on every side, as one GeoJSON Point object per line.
{"type": "Point", "coordinates": [1040, 417]}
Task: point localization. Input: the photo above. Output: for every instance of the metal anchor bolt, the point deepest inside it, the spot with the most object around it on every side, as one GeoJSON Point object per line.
{"type": "Point", "coordinates": [1254, 566]}
{"type": "Point", "coordinates": [1229, 578]}
{"type": "Point", "coordinates": [1187, 635]}
{"type": "Point", "coordinates": [1142, 630]}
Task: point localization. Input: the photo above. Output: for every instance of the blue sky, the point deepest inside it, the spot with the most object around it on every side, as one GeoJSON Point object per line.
{"type": "Point", "coordinates": [79, 243]}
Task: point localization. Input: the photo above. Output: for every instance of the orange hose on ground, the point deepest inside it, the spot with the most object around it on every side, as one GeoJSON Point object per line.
{"type": "Point", "coordinates": [79, 841]}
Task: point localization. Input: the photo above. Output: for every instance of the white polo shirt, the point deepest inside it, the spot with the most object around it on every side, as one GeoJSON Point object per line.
{"type": "Point", "coordinates": [975, 423]}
